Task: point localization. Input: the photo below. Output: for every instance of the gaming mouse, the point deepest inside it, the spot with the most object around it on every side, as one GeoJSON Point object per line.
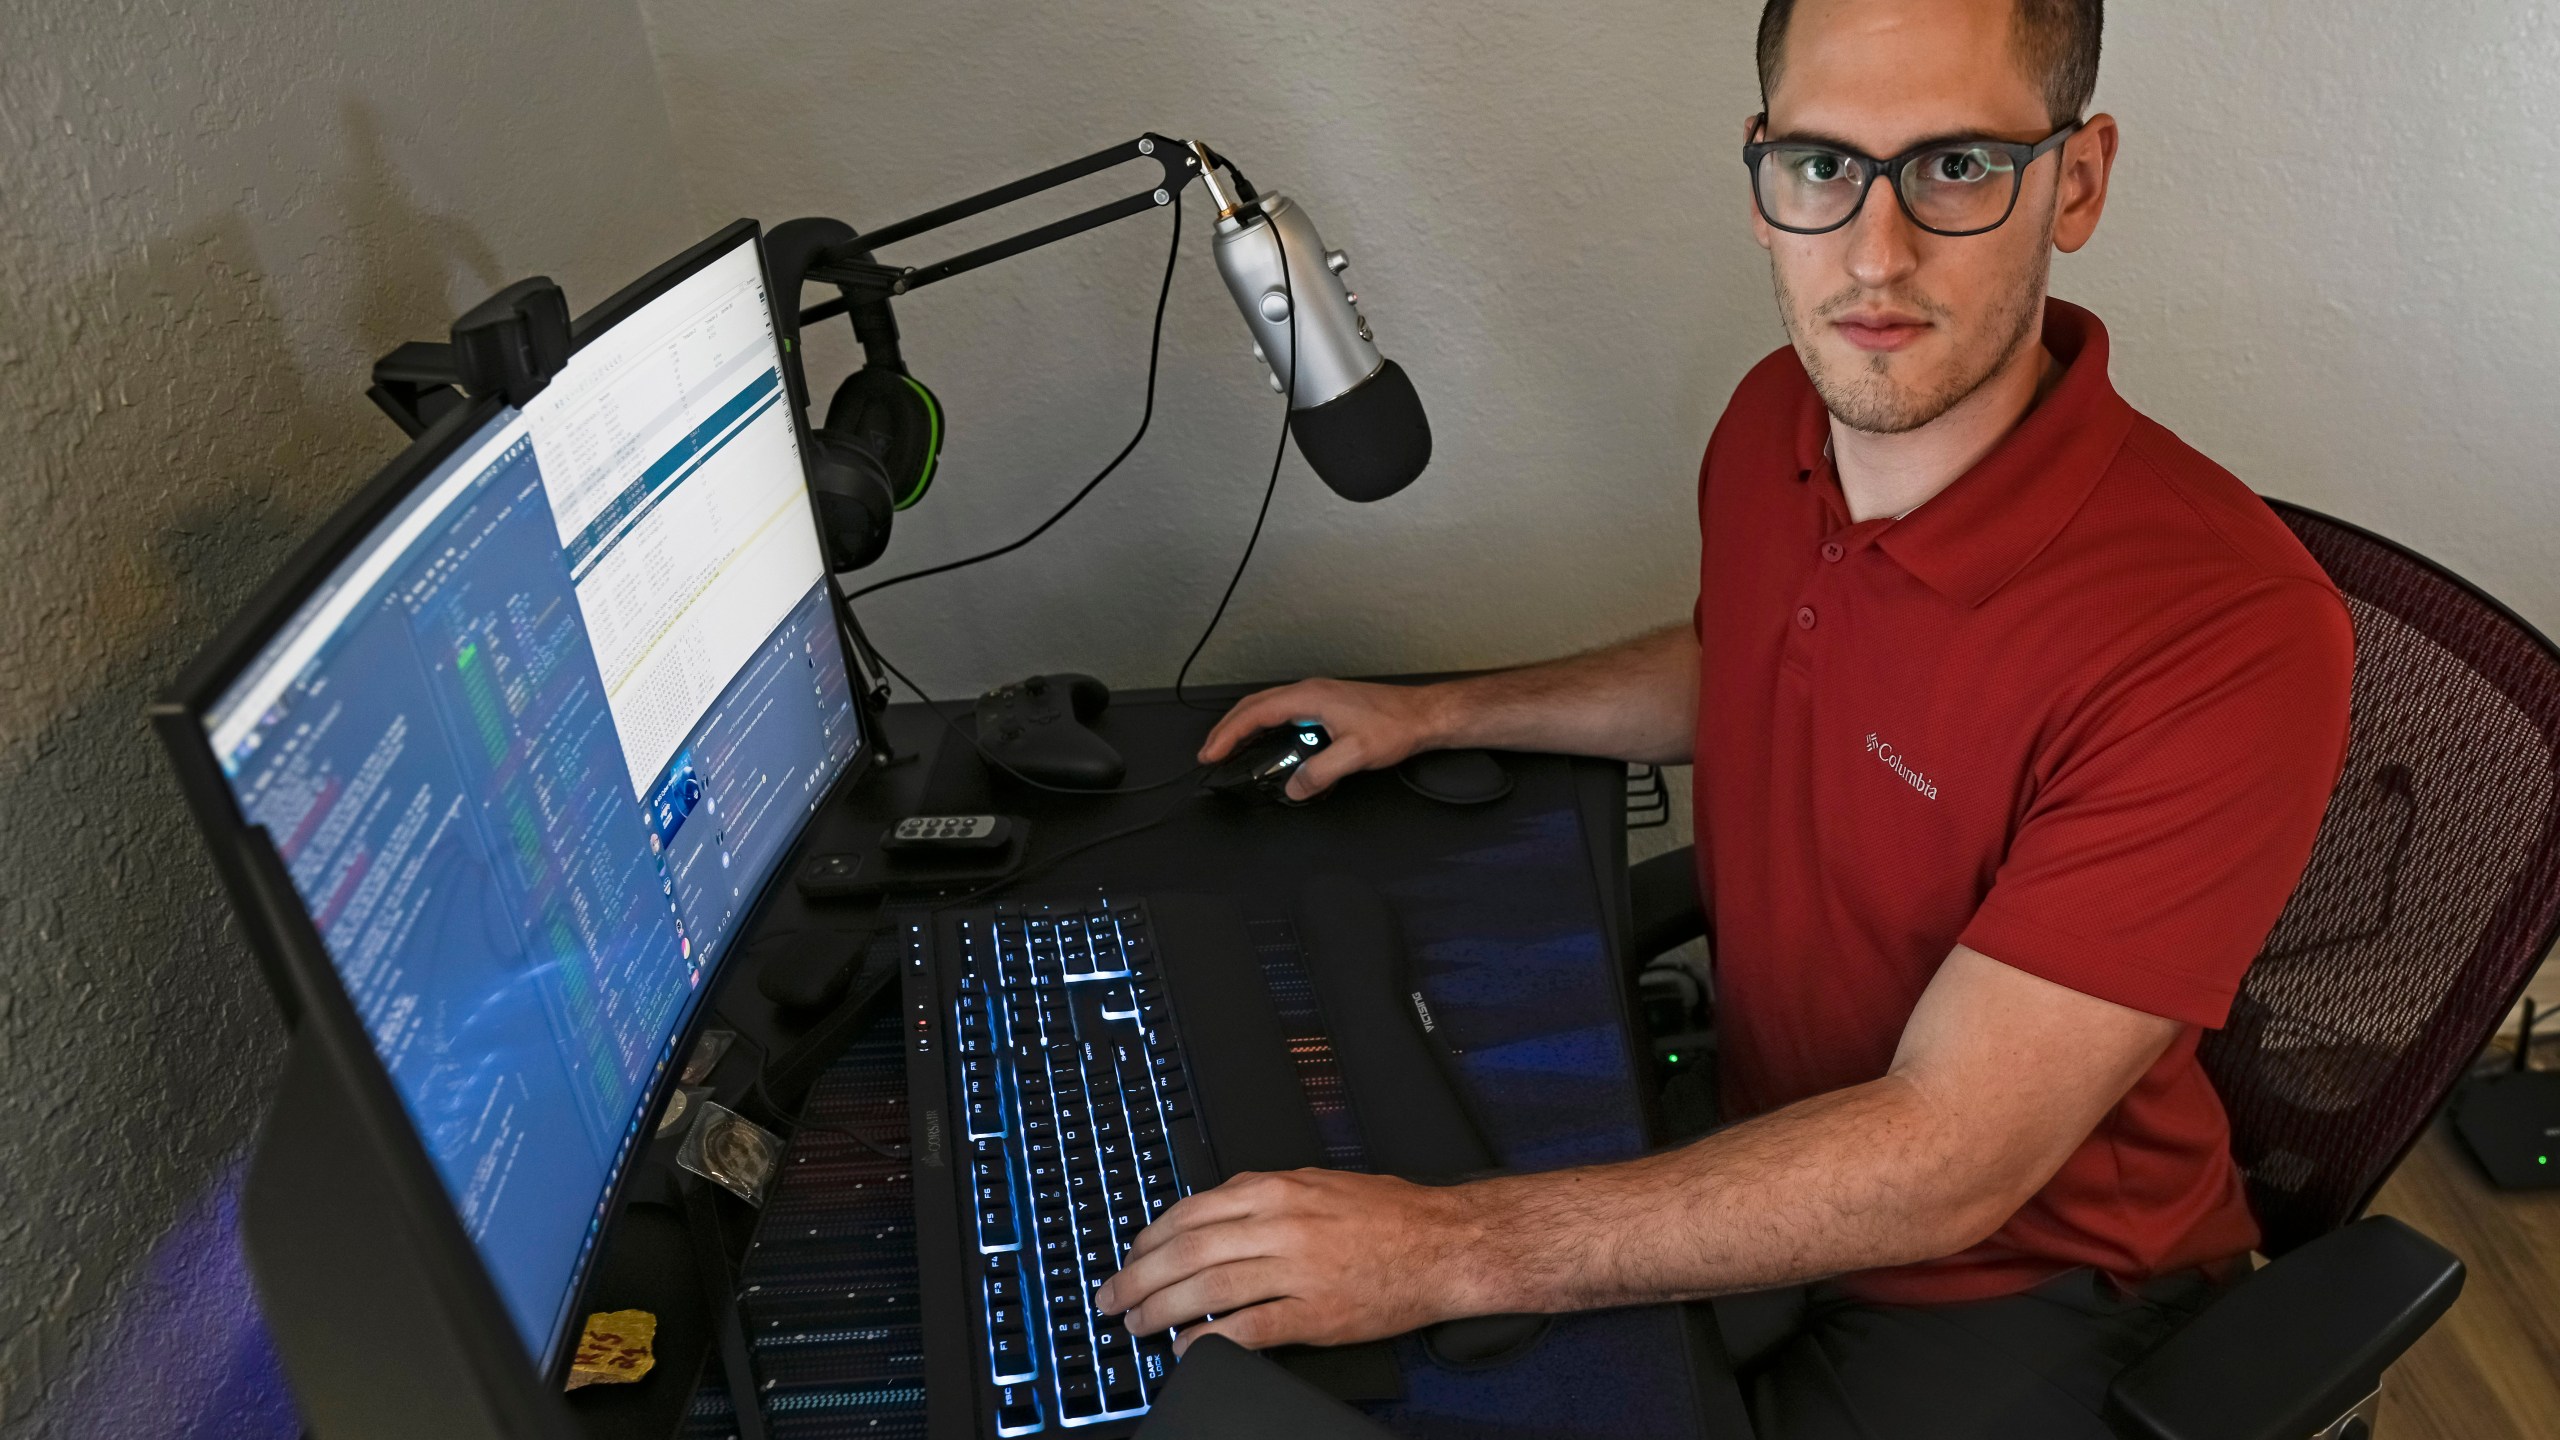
{"type": "Point", "coordinates": [1259, 769]}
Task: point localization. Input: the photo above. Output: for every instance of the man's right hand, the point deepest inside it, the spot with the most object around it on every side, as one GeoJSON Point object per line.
{"type": "Point", "coordinates": [1633, 701]}
{"type": "Point", "coordinates": [1373, 727]}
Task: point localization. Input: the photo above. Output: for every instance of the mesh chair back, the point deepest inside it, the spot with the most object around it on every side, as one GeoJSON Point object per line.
{"type": "Point", "coordinates": [2432, 893]}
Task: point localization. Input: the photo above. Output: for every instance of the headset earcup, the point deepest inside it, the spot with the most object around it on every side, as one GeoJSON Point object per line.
{"type": "Point", "coordinates": [899, 419]}
{"type": "Point", "coordinates": [855, 503]}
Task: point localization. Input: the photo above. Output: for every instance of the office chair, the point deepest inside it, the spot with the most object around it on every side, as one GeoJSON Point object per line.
{"type": "Point", "coordinates": [2432, 894]}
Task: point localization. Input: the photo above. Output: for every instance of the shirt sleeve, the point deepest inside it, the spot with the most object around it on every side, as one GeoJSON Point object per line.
{"type": "Point", "coordinates": [1706, 477]}
{"type": "Point", "coordinates": [2174, 813]}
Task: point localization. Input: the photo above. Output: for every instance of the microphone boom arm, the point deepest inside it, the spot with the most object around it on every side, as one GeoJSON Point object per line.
{"type": "Point", "coordinates": [1353, 412]}
{"type": "Point", "coordinates": [850, 268]}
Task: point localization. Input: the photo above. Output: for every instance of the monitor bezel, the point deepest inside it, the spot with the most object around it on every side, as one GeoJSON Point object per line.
{"type": "Point", "coordinates": [296, 968]}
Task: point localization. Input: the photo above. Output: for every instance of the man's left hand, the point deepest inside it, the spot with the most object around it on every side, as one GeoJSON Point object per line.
{"type": "Point", "coordinates": [1321, 1257]}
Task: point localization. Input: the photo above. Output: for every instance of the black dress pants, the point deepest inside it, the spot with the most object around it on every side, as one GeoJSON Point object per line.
{"type": "Point", "coordinates": [1818, 1364]}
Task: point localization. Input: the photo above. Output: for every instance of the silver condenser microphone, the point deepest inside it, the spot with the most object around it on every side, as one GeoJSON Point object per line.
{"type": "Point", "coordinates": [1353, 412]}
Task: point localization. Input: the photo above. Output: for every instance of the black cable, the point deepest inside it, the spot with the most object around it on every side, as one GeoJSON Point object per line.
{"type": "Point", "coordinates": [1244, 187]}
{"type": "Point", "coordinates": [764, 1057]}
{"type": "Point", "coordinates": [1048, 862]}
{"type": "Point", "coordinates": [1288, 397]}
{"type": "Point", "coordinates": [984, 754]}
{"type": "Point", "coordinates": [885, 1152]}
{"type": "Point", "coordinates": [1155, 351]}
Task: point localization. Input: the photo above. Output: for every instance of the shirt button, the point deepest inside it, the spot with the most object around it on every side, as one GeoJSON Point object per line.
{"type": "Point", "coordinates": [1832, 552]}
{"type": "Point", "coordinates": [1804, 617]}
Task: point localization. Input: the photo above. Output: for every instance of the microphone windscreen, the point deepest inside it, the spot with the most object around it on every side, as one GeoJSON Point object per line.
{"type": "Point", "coordinates": [1368, 442]}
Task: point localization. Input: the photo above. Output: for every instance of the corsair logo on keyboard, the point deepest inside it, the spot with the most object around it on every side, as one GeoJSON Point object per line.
{"type": "Point", "coordinates": [933, 1137]}
{"type": "Point", "coordinates": [1422, 1012]}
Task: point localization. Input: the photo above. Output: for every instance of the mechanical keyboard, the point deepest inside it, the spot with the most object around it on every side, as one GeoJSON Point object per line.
{"type": "Point", "coordinates": [1073, 1127]}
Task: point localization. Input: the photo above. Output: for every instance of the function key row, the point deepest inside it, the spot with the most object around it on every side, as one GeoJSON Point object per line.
{"type": "Point", "coordinates": [991, 1197]}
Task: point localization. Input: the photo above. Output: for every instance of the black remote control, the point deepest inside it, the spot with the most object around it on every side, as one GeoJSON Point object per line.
{"type": "Point", "coordinates": [947, 834]}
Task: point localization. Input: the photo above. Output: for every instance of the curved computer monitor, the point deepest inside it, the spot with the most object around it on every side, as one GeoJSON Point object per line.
{"type": "Point", "coordinates": [531, 727]}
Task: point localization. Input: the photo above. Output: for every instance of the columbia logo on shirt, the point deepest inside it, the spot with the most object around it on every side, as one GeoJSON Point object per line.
{"type": "Point", "coordinates": [1884, 751]}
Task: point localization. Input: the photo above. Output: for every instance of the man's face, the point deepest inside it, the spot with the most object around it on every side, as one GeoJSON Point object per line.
{"type": "Point", "coordinates": [1894, 324]}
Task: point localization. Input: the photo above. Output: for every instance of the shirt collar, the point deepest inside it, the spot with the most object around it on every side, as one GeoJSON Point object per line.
{"type": "Point", "coordinates": [1976, 535]}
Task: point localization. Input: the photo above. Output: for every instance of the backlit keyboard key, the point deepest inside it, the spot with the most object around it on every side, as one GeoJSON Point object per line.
{"type": "Point", "coordinates": [1013, 1357]}
{"type": "Point", "coordinates": [1018, 1417]}
{"type": "Point", "coordinates": [1083, 1079]}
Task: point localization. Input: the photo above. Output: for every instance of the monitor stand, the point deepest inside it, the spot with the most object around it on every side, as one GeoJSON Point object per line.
{"type": "Point", "coordinates": [720, 1292]}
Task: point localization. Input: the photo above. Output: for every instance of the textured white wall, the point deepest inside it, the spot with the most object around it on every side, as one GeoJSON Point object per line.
{"type": "Point", "coordinates": [2330, 263]}
{"type": "Point", "coordinates": [212, 218]}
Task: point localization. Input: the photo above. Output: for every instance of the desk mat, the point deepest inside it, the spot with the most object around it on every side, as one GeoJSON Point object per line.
{"type": "Point", "coordinates": [1509, 942]}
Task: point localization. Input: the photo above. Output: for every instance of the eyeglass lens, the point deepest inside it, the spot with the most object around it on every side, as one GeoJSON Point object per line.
{"type": "Point", "coordinates": [1955, 188]}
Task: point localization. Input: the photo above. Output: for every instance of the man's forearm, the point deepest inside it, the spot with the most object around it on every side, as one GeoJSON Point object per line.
{"type": "Point", "coordinates": [1851, 1180]}
{"type": "Point", "coordinates": [1999, 1077]}
{"type": "Point", "coordinates": [1633, 701]}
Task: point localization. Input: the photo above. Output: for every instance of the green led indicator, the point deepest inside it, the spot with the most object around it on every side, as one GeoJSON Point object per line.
{"type": "Point", "coordinates": [2538, 1159]}
{"type": "Point", "coordinates": [1673, 1057]}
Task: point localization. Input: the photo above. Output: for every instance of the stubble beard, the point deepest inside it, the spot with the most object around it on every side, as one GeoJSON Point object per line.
{"type": "Point", "coordinates": [1867, 395]}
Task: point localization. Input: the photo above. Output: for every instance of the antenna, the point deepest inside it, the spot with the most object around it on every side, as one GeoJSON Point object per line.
{"type": "Point", "coordinates": [2524, 1037]}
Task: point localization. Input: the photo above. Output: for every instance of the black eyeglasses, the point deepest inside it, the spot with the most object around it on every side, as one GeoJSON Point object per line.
{"type": "Point", "coordinates": [1947, 187]}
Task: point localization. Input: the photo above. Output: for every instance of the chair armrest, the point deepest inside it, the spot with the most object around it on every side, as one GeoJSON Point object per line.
{"type": "Point", "coordinates": [2295, 1346]}
{"type": "Point", "coordinates": [1663, 905]}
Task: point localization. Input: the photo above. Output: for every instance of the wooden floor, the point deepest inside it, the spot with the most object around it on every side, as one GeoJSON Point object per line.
{"type": "Point", "coordinates": [2490, 1370]}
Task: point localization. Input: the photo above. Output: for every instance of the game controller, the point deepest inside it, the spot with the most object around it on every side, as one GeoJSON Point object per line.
{"type": "Point", "coordinates": [1037, 730]}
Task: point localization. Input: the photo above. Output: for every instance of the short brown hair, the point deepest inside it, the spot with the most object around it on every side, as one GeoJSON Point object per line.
{"type": "Point", "coordinates": [2056, 39]}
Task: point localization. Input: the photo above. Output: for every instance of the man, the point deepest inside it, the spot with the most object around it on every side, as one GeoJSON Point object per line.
{"type": "Point", "coordinates": [2013, 720]}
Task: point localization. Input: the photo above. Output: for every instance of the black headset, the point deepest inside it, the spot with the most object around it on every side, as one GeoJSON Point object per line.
{"type": "Point", "coordinates": [876, 451]}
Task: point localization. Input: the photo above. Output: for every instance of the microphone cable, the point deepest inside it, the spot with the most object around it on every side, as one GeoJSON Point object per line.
{"type": "Point", "coordinates": [1262, 514]}
{"type": "Point", "coordinates": [1146, 417]}
{"type": "Point", "coordinates": [1289, 398]}
{"type": "Point", "coordinates": [976, 744]}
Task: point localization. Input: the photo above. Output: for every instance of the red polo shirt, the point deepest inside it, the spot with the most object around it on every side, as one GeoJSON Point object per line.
{"type": "Point", "coordinates": [2081, 711]}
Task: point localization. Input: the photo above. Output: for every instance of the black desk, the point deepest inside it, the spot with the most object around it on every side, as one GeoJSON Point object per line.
{"type": "Point", "coordinates": [1514, 910]}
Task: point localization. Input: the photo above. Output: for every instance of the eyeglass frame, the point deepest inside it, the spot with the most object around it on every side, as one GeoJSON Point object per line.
{"type": "Point", "coordinates": [2022, 154]}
